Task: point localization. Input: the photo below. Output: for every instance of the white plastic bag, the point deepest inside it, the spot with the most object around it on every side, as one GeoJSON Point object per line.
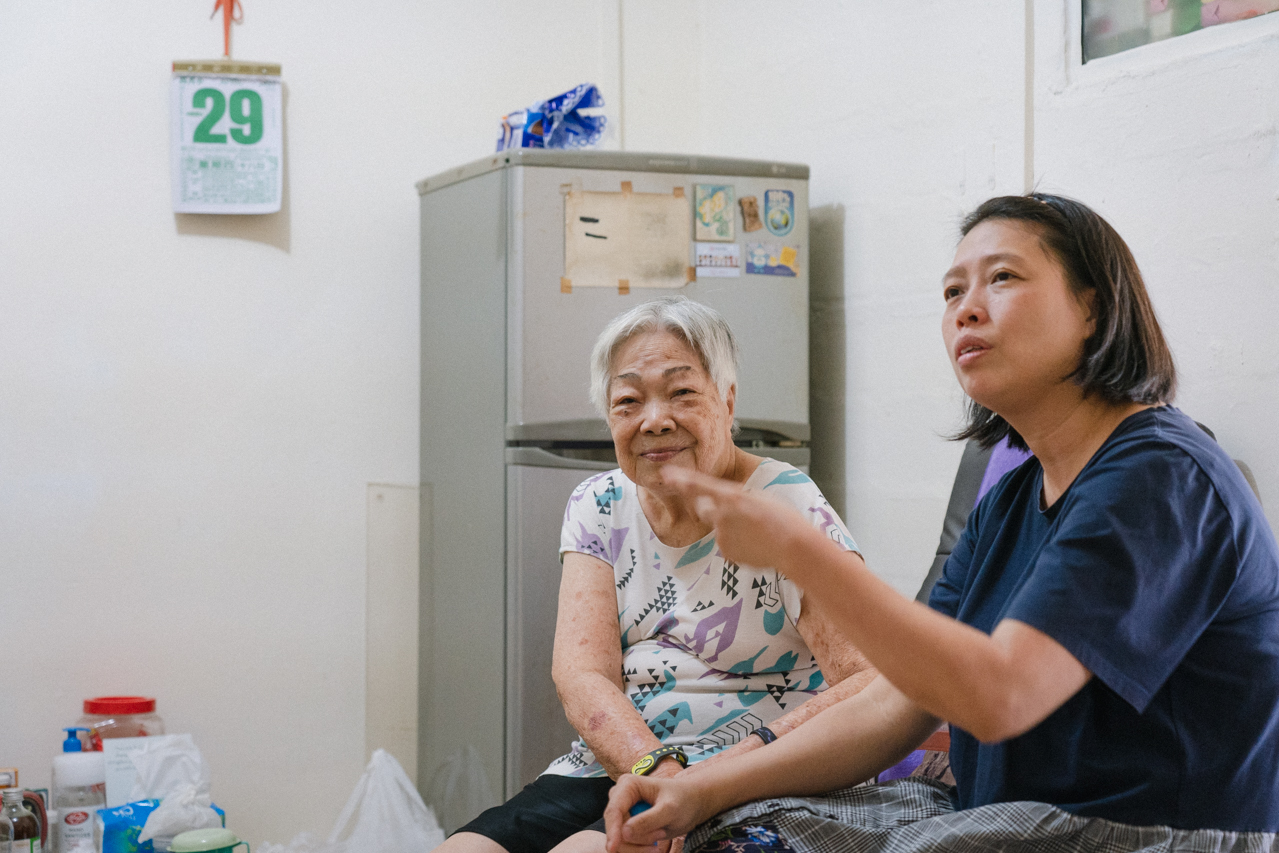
{"type": "Point", "coordinates": [303, 842]}
{"type": "Point", "coordinates": [384, 814]}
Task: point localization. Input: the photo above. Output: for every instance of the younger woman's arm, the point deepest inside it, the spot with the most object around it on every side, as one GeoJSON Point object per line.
{"type": "Point", "coordinates": [843, 745]}
{"type": "Point", "coordinates": [994, 686]}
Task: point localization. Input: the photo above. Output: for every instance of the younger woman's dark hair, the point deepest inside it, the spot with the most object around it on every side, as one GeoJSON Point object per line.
{"type": "Point", "coordinates": [1126, 359]}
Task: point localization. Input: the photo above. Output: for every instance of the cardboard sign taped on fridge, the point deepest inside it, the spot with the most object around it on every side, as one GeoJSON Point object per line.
{"type": "Point", "coordinates": [640, 238]}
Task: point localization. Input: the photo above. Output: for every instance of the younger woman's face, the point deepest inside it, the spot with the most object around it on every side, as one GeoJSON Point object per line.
{"type": "Point", "coordinates": [1013, 328]}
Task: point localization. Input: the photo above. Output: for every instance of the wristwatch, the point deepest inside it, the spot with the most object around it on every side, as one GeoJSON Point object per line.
{"type": "Point", "coordinates": [648, 763]}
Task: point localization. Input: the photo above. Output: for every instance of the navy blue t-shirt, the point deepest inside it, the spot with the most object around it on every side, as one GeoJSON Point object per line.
{"type": "Point", "coordinates": [1157, 570]}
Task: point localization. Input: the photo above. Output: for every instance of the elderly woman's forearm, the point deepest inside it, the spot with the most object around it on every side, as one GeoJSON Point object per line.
{"type": "Point", "coordinates": [850, 686]}
{"type": "Point", "coordinates": [607, 720]}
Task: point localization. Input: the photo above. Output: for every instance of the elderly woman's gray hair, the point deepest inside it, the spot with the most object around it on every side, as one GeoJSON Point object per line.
{"type": "Point", "coordinates": [700, 327]}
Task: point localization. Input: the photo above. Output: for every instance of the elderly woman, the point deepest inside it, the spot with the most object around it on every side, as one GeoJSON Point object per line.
{"type": "Point", "coordinates": [1104, 641]}
{"type": "Point", "coordinates": [667, 655]}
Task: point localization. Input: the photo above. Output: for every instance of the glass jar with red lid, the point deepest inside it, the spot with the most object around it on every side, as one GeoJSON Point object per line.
{"type": "Point", "coordinates": [119, 716]}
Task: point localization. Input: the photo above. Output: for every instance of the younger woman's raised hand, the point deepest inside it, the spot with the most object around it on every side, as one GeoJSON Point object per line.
{"type": "Point", "coordinates": [751, 528]}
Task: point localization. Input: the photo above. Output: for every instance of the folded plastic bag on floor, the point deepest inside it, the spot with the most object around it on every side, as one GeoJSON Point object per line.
{"type": "Point", "coordinates": [384, 814]}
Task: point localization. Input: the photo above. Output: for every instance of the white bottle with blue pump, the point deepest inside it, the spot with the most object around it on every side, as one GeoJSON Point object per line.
{"type": "Point", "coordinates": [79, 790]}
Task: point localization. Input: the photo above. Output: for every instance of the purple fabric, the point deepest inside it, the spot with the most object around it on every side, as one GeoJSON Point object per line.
{"type": "Point", "coordinates": [903, 768]}
{"type": "Point", "coordinates": [1002, 460]}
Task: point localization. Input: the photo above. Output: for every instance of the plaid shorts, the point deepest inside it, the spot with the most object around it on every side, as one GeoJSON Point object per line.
{"type": "Point", "coordinates": [917, 816]}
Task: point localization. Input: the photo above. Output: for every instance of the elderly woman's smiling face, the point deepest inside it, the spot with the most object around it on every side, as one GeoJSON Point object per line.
{"type": "Point", "coordinates": [664, 409]}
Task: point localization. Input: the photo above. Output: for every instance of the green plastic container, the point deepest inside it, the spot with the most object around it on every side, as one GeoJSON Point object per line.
{"type": "Point", "coordinates": [215, 840]}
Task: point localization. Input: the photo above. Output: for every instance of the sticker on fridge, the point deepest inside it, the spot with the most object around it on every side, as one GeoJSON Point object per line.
{"type": "Point", "coordinates": [779, 211]}
{"type": "Point", "coordinates": [772, 259]}
{"type": "Point", "coordinates": [718, 260]}
{"type": "Point", "coordinates": [750, 213]}
{"type": "Point", "coordinates": [713, 213]}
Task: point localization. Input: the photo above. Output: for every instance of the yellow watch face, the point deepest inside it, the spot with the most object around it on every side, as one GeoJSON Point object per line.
{"type": "Point", "coordinates": [642, 766]}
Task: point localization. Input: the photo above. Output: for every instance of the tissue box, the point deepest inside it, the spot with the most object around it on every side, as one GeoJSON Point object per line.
{"type": "Point", "coordinates": [116, 830]}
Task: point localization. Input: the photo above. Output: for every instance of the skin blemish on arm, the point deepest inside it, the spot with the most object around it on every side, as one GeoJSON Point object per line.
{"type": "Point", "coordinates": [597, 720]}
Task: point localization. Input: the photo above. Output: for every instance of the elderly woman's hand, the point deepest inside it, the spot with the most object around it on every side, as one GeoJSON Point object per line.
{"type": "Point", "coordinates": [750, 528]}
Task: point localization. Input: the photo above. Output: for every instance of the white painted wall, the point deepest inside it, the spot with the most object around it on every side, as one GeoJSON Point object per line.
{"type": "Point", "coordinates": [911, 114]}
{"type": "Point", "coordinates": [907, 123]}
{"type": "Point", "coordinates": [195, 408]}
{"type": "Point", "coordinates": [1176, 143]}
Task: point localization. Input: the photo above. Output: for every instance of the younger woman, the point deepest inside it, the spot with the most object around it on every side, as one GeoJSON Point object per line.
{"type": "Point", "coordinates": [1104, 641]}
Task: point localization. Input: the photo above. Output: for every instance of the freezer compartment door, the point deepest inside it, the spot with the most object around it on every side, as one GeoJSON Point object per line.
{"type": "Point", "coordinates": [537, 731]}
{"type": "Point", "coordinates": [552, 325]}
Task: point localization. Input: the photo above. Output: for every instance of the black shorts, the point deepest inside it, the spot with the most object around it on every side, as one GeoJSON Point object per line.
{"type": "Point", "coordinates": [548, 810]}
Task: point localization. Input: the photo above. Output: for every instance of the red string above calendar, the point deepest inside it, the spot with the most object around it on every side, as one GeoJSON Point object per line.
{"type": "Point", "coordinates": [232, 12]}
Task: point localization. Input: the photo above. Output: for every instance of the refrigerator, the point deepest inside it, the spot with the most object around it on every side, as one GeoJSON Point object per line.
{"type": "Point", "coordinates": [509, 314]}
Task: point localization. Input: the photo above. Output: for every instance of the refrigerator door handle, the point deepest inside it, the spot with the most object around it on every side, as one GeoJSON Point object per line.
{"type": "Point", "coordinates": [540, 458]}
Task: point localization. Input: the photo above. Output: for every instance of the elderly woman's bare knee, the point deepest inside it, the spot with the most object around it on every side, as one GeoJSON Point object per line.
{"type": "Point", "coordinates": [470, 842]}
{"type": "Point", "coordinates": [586, 841]}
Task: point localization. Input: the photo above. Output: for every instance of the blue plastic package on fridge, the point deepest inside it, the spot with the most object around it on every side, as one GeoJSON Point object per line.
{"type": "Point", "coordinates": [557, 122]}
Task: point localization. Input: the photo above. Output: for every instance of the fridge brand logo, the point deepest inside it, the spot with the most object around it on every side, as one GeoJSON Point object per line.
{"type": "Point", "coordinates": [76, 818]}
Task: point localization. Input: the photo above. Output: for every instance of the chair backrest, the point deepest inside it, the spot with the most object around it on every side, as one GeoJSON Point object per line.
{"type": "Point", "coordinates": [979, 470]}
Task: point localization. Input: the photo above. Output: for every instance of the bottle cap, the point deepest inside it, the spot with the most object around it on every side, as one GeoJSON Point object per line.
{"type": "Point", "coordinates": [78, 769]}
{"type": "Point", "coordinates": [72, 743]}
{"type": "Point", "coordinates": [119, 705]}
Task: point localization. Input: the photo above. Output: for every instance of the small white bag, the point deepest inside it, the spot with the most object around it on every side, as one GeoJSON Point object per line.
{"type": "Point", "coordinates": [385, 813]}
